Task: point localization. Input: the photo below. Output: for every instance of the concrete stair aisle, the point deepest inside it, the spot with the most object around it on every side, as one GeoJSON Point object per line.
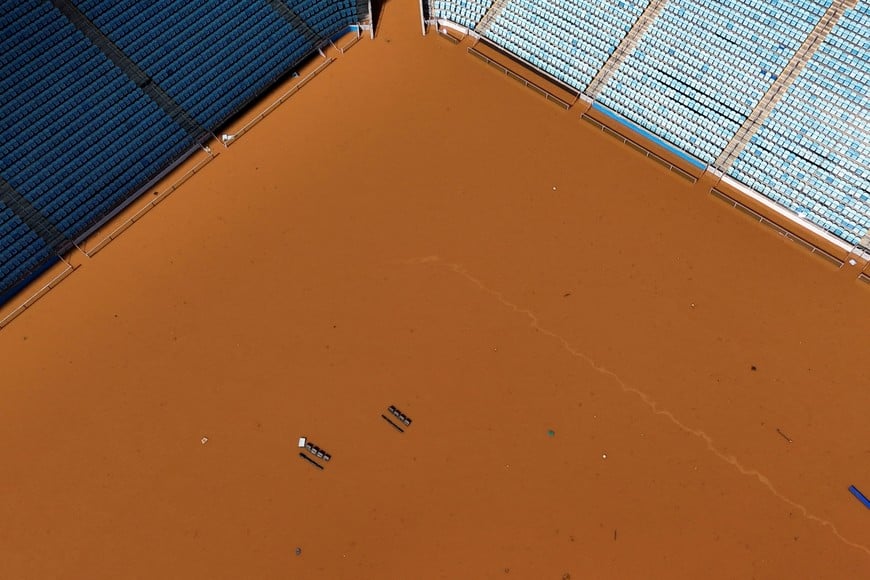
{"type": "Point", "coordinates": [779, 87]}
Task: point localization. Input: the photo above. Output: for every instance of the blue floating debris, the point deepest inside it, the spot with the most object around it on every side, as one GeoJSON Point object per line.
{"type": "Point", "coordinates": [861, 497]}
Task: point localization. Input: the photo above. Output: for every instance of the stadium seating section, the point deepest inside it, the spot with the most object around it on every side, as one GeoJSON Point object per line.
{"type": "Point", "coordinates": [100, 97]}
{"type": "Point", "coordinates": [812, 154]}
{"type": "Point", "coordinates": [76, 132]}
{"type": "Point", "coordinates": [702, 67]}
{"type": "Point", "coordinates": [465, 12]}
{"type": "Point", "coordinates": [207, 68]}
{"type": "Point", "coordinates": [697, 72]}
{"type": "Point", "coordinates": [22, 251]}
{"type": "Point", "coordinates": [326, 18]}
{"type": "Point", "coordinates": [79, 138]}
{"type": "Point", "coordinates": [570, 40]}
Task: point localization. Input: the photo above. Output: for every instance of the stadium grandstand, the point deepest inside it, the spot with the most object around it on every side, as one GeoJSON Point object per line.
{"type": "Point", "coordinates": [770, 96]}
{"type": "Point", "coordinates": [99, 99]}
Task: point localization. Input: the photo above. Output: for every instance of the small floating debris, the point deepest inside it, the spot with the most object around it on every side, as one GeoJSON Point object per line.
{"type": "Point", "coordinates": [317, 451]}
{"type": "Point", "coordinates": [311, 461]}
{"type": "Point", "coordinates": [861, 497]}
{"type": "Point", "coordinates": [390, 421]}
{"type": "Point", "coordinates": [399, 415]}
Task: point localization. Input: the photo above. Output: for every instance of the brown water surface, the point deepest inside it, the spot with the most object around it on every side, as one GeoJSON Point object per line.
{"type": "Point", "coordinates": [598, 358]}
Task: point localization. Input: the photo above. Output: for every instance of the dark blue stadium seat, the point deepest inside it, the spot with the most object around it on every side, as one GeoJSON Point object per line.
{"type": "Point", "coordinates": [212, 56]}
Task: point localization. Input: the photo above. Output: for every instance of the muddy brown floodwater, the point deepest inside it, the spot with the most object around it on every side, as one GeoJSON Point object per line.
{"type": "Point", "coordinates": [599, 359]}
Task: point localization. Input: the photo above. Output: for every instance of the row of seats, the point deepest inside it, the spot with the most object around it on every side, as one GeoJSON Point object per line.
{"type": "Point", "coordinates": [569, 39]}
{"type": "Point", "coordinates": [636, 103]}
{"type": "Point", "coordinates": [326, 19]}
{"type": "Point", "coordinates": [35, 29]}
{"type": "Point", "coordinates": [812, 154]}
{"type": "Point", "coordinates": [78, 137]}
{"type": "Point", "coordinates": [708, 65]}
{"type": "Point", "coordinates": [22, 252]}
{"type": "Point", "coordinates": [467, 13]}
{"type": "Point", "coordinates": [219, 86]}
{"type": "Point", "coordinates": [564, 66]}
{"type": "Point", "coordinates": [700, 70]}
{"type": "Point", "coordinates": [211, 57]}
{"type": "Point", "coordinates": [73, 120]}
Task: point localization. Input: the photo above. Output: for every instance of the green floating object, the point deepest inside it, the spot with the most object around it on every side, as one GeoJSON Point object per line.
{"type": "Point", "coordinates": [551, 433]}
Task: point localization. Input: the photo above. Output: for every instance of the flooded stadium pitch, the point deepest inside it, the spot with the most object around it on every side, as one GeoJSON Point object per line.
{"type": "Point", "coordinates": [421, 323]}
